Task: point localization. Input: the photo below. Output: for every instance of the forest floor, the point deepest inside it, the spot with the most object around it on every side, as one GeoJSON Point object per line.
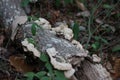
{"type": "Point", "coordinates": [98, 23]}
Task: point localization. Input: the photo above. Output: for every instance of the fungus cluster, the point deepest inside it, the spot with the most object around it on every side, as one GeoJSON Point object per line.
{"type": "Point", "coordinates": [57, 61]}
{"type": "Point", "coordinates": [43, 23]}
{"type": "Point", "coordinates": [62, 28]}
{"type": "Point", "coordinates": [30, 47]}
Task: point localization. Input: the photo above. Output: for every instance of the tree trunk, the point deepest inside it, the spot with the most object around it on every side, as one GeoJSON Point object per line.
{"type": "Point", "coordinates": [86, 70]}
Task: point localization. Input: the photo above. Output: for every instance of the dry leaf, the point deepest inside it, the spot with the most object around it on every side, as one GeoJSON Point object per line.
{"type": "Point", "coordinates": [117, 68]}
{"type": "Point", "coordinates": [84, 13]}
{"type": "Point", "coordinates": [19, 64]}
{"type": "Point", "coordinates": [80, 5]}
{"type": "Point", "coordinates": [99, 21]}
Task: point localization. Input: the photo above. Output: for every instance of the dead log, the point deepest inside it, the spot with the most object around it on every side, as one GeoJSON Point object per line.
{"type": "Point", "coordinates": [86, 70]}
{"type": "Point", "coordinates": [91, 71]}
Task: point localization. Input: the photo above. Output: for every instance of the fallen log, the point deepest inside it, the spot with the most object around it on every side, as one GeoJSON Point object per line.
{"type": "Point", "coordinates": [10, 12]}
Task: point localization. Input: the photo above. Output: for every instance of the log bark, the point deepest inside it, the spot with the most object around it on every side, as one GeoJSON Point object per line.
{"type": "Point", "coordinates": [87, 70]}
{"type": "Point", "coordinates": [91, 71]}
{"type": "Point", "coordinates": [9, 9]}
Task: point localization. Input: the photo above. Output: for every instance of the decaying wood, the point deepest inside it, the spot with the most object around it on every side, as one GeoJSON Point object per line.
{"type": "Point", "coordinates": [87, 71]}
{"type": "Point", "coordinates": [47, 40]}
{"type": "Point", "coordinates": [9, 9]}
{"type": "Point", "coordinates": [90, 71]}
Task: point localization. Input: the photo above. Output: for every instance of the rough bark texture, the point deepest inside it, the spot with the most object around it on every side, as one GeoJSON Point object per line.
{"type": "Point", "coordinates": [91, 71]}
{"type": "Point", "coordinates": [9, 9]}
{"type": "Point", "coordinates": [87, 71]}
{"type": "Point", "coordinates": [47, 40]}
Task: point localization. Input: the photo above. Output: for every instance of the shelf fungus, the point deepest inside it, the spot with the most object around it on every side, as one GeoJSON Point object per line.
{"type": "Point", "coordinates": [43, 23]}
{"type": "Point", "coordinates": [77, 44]}
{"type": "Point", "coordinates": [57, 61]}
{"type": "Point", "coordinates": [63, 29]}
{"type": "Point", "coordinates": [30, 47]}
{"type": "Point", "coordinates": [96, 58]}
{"type": "Point", "coordinates": [69, 73]}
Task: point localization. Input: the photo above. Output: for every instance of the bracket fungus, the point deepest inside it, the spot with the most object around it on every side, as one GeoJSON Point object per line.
{"type": "Point", "coordinates": [69, 73]}
{"type": "Point", "coordinates": [43, 23]}
{"type": "Point", "coordinates": [77, 44]}
{"type": "Point", "coordinates": [63, 29]}
{"type": "Point", "coordinates": [58, 62]}
{"type": "Point", "coordinates": [30, 47]}
{"type": "Point", "coordinates": [96, 58]}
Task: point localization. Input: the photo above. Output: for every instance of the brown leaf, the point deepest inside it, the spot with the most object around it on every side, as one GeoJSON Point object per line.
{"type": "Point", "coordinates": [99, 21]}
{"type": "Point", "coordinates": [117, 68]}
{"type": "Point", "coordinates": [80, 5]}
{"type": "Point", "coordinates": [20, 65]}
{"type": "Point", "coordinates": [54, 15]}
{"type": "Point", "coordinates": [84, 13]}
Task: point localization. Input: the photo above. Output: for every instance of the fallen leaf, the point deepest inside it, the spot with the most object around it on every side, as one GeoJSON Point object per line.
{"type": "Point", "coordinates": [80, 5]}
{"type": "Point", "coordinates": [85, 13]}
{"type": "Point", "coordinates": [99, 21]}
{"type": "Point", "coordinates": [117, 68]}
{"type": "Point", "coordinates": [20, 65]}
